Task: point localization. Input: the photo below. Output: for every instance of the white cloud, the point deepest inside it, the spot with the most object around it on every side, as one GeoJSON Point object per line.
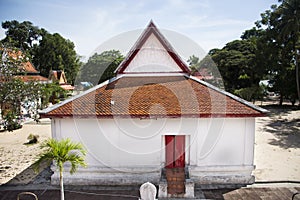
{"type": "Point", "coordinates": [91, 23]}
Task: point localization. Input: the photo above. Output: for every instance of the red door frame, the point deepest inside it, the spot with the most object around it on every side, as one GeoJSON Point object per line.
{"type": "Point", "coordinates": [175, 151]}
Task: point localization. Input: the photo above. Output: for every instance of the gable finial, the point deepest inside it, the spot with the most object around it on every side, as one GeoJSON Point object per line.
{"type": "Point", "coordinates": [151, 24]}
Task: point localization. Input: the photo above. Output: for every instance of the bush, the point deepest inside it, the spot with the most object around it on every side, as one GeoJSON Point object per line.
{"type": "Point", "coordinates": [250, 93]}
{"type": "Point", "coordinates": [33, 139]}
{"type": "Point", "coordinates": [11, 123]}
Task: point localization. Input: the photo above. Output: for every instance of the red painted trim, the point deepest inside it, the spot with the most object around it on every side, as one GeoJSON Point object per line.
{"type": "Point", "coordinates": [151, 28]}
{"type": "Point", "coordinates": [172, 52]}
{"type": "Point", "coordinates": [154, 116]}
{"type": "Point", "coordinates": [174, 72]}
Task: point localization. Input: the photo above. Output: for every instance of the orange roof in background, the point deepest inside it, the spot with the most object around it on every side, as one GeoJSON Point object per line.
{"type": "Point", "coordinates": [27, 70]}
{"type": "Point", "coordinates": [146, 97]}
{"type": "Point", "coordinates": [58, 75]}
{"type": "Point", "coordinates": [54, 74]}
{"type": "Point", "coordinates": [27, 78]}
{"type": "Point", "coordinates": [67, 86]}
{"type": "Point", "coordinates": [26, 66]}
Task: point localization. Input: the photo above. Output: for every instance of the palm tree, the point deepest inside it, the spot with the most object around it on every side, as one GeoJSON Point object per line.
{"type": "Point", "coordinates": [290, 25]}
{"type": "Point", "coordinates": [61, 152]}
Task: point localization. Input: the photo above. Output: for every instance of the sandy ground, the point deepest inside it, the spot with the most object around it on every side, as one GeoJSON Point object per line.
{"type": "Point", "coordinates": [277, 148]}
{"type": "Point", "coordinates": [277, 145]}
{"type": "Point", "coordinates": [15, 156]}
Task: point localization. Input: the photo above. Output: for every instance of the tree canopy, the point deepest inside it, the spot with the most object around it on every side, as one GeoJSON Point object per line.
{"type": "Point", "coordinates": [46, 51]}
{"type": "Point", "coordinates": [55, 52]}
{"type": "Point", "coordinates": [101, 67]}
{"type": "Point", "coordinates": [21, 35]}
{"type": "Point", "coordinates": [270, 50]}
{"type": "Point", "coordinates": [61, 152]}
{"type": "Point", "coordinates": [280, 46]}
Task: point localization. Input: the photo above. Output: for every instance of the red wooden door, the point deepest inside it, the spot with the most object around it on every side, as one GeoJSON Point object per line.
{"type": "Point", "coordinates": [175, 151]}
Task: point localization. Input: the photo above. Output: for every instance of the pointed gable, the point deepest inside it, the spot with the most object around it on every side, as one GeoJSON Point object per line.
{"type": "Point", "coordinates": [152, 53]}
{"type": "Point", "coordinates": [58, 75]}
{"type": "Point", "coordinates": [154, 95]}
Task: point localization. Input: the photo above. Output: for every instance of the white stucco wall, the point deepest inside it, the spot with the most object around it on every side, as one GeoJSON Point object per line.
{"type": "Point", "coordinates": [152, 57]}
{"type": "Point", "coordinates": [214, 147]}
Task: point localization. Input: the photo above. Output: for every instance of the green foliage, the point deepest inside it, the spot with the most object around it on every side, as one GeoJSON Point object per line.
{"type": "Point", "coordinates": [21, 35]}
{"type": "Point", "coordinates": [61, 152]}
{"type": "Point", "coordinates": [52, 93]}
{"type": "Point", "coordinates": [250, 93]}
{"type": "Point", "coordinates": [11, 122]}
{"type": "Point", "coordinates": [48, 51]}
{"type": "Point", "coordinates": [238, 65]}
{"type": "Point", "coordinates": [14, 93]}
{"type": "Point", "coordinates": [101, 67]}
{"type": "Point", "coordinates": [269, 50]}
{"type": "Point", "coordinates": [194, 63]}
{"type": "Point", "coordinates": [55, 52]}
{"type": "Point", "coordinates": [280, 47]}
{"type": "Point", "coordinates": [207, 69]}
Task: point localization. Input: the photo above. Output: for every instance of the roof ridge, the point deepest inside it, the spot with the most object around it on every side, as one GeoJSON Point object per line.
{"type": "Point", "coordinates": [243, 101]}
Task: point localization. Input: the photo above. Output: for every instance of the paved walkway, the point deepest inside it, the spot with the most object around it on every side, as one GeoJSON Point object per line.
{"type": "Point", "coordinates": [254, 193]}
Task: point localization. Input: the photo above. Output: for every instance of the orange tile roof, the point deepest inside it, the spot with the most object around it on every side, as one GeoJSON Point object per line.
{"type": "Point", "coordinates": [27, 78]}
{"type": "Point", "coordinates": [67, 86]}
{"type": "Point", "coordinates": [26, 66]}
{"type": "Point", "coordinates": [147, 97]}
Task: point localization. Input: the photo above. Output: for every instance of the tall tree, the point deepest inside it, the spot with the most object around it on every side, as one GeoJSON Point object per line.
{"type": "Point", "coordinates": [236, 62]}
{"type": "Point", "coordinates": [47, 51]}
{"type": "Point", "coordinates": [280, 46]}
{"type": "Point", "coordinates": [101, 67]}
{"type": "Point", "coordinates": [12, 90]}
{"type": "Point", "coordinates": [14, 93]}
{"type": "Point", "coordinates": [55, 52]}
{"type": "Point", "coordinates": [61, 152]}
{"type": "Point", "coordinates": [21, 35]}
{"type": "Point", "coordinates": [289, 25]}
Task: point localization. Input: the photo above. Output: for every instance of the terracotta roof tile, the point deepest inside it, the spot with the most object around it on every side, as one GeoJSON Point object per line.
{"type": "Point", "coordinates": [27, 78]}
{"type": "Point", "coordinates": [67, 86]}
{"type": "Point", "coordinates": [26, 66]}
{"type": "Point", "coordinates": [145, 97]}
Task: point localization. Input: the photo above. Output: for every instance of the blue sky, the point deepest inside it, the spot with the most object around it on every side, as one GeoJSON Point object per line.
{"type": "Point", "coordinates": [210, 23]}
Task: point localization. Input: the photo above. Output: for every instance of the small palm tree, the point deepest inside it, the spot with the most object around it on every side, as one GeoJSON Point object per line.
{"type": "Point", "coordinates": [61, 152]}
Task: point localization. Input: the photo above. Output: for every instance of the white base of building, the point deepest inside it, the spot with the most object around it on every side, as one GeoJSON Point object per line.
{"type": "Point", "coordinates": [206, 177]}
{"type": "Point", "coordinates": [221, 176]}
{"type": "Point", "coordinates": [107, 176]}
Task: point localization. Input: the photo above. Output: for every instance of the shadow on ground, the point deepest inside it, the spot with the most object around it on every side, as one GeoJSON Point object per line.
{"type": "Point", "coordinates": [286, 130]}
{"type": "Point", "coordinates": [72, 194]}
{"type": "Point", "coordinates": [128, 194]}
